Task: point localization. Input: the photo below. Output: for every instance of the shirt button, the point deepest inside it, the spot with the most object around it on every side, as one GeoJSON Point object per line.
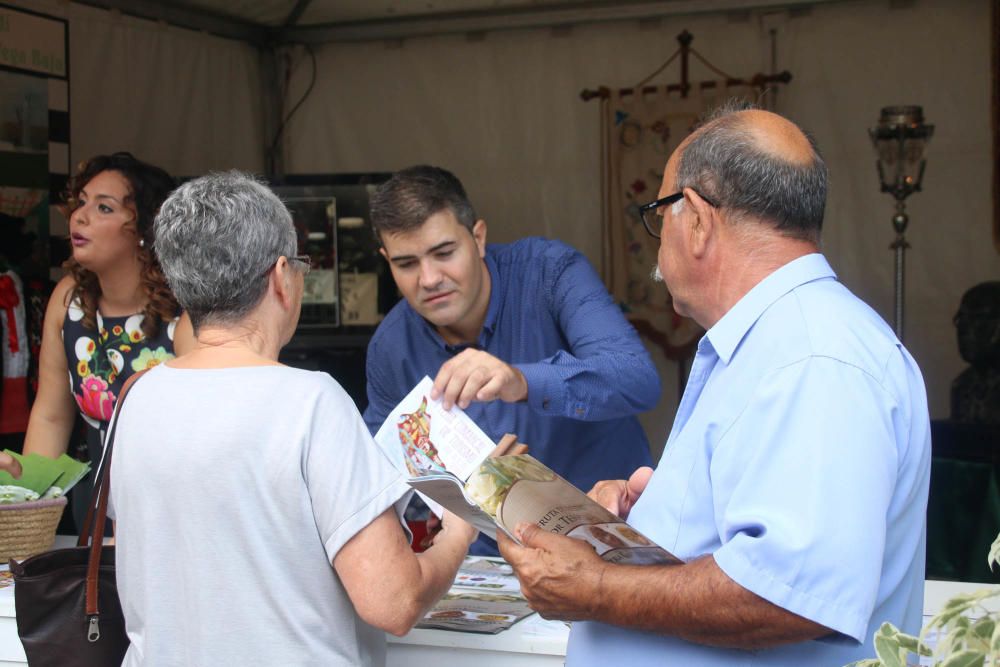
{"type": "Point", "coordinates": [579, 412]}
{"type": "Point", "coordinates": [545, 403]}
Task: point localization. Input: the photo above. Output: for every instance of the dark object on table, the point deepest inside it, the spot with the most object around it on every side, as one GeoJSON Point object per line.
{"type": "Point", "coordinates": [975, 393]}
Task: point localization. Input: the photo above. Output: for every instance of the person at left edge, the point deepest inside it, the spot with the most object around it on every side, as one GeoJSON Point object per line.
{"type": "Point", "coordinates": [112, 315]}
{"type": "Point", "coordinates": [523, 336]}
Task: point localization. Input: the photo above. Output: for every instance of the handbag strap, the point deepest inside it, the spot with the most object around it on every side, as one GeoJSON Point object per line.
{"type": "Point", "coordinates": [93, 524]}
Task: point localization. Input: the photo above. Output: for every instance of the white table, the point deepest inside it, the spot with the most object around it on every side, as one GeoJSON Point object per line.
{"type": "Point", "coordinates": [533, 642]}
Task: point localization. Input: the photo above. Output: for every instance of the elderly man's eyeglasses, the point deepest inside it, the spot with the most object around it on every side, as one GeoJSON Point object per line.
{"type": "Point", "coordinates": [653, 221]}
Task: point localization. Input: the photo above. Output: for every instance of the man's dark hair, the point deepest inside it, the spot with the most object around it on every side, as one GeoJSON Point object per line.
{"type": "Point", "coordinates": [726, 164]}
{"type": "Point", "coordinates": [412, 195]}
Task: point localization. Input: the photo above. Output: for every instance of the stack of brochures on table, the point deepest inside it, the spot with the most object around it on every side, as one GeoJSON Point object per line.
{"type": "Point", "coordinates": [485, 598]}
{"type": "Point", "coordinates": [446, 458]}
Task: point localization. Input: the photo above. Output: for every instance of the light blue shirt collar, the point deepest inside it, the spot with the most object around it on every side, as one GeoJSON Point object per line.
{"type": "Point", "coordinates": [726, 334]}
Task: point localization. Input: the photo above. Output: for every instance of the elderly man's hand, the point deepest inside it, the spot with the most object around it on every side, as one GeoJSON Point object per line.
{"type": "Point", "coordinates": [474, 375]}
{"type": "Point", "coordinates": [560, 576]}
{"type": "Point", "coordinates": [10, 464]}
{"type": "Point", "coordinates": [618, 495]}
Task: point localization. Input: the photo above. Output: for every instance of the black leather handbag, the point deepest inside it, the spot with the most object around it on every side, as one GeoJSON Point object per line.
{"type": "Point", "coordinates": [66, 600]}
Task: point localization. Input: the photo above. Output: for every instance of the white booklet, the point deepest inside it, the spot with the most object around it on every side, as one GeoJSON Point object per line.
{"type": "Point", "coordinates": [437, 468]}
{"type": "Point", "coordinates": [446, 459]}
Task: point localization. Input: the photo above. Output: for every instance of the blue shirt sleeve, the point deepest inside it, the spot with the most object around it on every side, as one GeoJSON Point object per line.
{"type": "Point", "coordinates": [379, 387]}
{"type": "Point", "coordinates": [606, 371]}
{"type": "Point", "coordinates": [802, 483]}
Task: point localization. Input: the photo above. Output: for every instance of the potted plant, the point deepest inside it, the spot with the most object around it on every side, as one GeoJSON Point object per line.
{"type": "Point", "coordinates": [959, 641]}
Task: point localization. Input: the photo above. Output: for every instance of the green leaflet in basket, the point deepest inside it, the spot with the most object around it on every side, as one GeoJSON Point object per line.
{"type": "Point", "coordinates": [72, 472]}
{"type": "Point", "coordinates": [41, 477]}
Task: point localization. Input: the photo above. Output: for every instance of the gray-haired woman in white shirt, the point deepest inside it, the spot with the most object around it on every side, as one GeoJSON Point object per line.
{"type": "Point", "coordinates": [237, 482]}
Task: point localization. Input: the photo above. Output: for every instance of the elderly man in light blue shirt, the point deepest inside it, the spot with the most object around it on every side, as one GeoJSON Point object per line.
{"type": "Point", "coordinates": [794, 481]}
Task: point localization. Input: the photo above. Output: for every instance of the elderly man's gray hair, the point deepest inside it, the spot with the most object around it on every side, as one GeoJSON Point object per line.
{"type": "Point", "coordinates": [726, 165]}
{"type": "Point", "coordinates": [216, 237]}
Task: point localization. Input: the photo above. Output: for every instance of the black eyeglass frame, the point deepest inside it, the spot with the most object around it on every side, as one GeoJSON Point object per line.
{"type": "Point", "coordinates": [665, 201]}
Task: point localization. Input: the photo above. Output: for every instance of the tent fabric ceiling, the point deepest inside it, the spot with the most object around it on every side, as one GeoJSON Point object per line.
{"type": "Point", "coordinates": [268, 22]}
{"type": "Point", "coordinates": [273, 13]}
{"type": "Point", "coordinates": [266, 13]}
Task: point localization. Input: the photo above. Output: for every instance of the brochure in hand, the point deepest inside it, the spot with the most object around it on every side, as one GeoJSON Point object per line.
{"type": "Point", "coordinates": [41, 477]}
{"type": "Point", "coordinates": [446, 458]}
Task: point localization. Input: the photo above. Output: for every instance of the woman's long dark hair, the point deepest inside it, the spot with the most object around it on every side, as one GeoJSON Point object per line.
{"type": "Point", "coordinates": [148, 187]}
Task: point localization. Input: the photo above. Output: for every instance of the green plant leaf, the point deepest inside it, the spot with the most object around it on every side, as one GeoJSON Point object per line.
{"type": "Point", "coordinates": [887, 646]}
{"type": "Point", "coordinates": [995, 640]}
{"type": "Point", "coordinates": [994, 556]}
{"type": "Point", "coordinates": [912, 644]}
{"type": "Point", "coordinates": [958, 635]}
{"type": "Point", "coordinates": [984, 627]}
{"type": "Point", "coordinates": [887, 629]}
{"type": "Point", "coordinates": [947, 617]}
{"type": "Point", "coordinates": [957, 601]}
{"type": "Point", "coordinates": [964, 659]}
{"type": "Point", "coordinates": [888, 652]}
{"type": "Point", "coordinates": [869, 662]}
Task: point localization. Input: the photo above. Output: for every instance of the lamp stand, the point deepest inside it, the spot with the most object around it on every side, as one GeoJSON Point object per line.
{"type": "Point", "coordinates": [900, 245]}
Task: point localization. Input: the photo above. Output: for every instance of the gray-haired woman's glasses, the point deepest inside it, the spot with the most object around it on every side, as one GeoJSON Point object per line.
{"type": "Point", "coordinates": [305, 261]}
{"type": "Point", "coordinates": [653, 221]}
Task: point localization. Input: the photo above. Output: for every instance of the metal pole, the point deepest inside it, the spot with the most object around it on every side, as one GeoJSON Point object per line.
{"type": "Point", "coordinates": [900, 245]}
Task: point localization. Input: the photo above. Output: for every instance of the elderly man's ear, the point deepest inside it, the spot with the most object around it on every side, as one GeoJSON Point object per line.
{"type": "Point", "coordinates": [702, 222]}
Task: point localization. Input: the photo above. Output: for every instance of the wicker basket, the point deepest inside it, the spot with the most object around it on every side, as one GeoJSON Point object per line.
{"type": "Point", "coordinates": [28, 528]}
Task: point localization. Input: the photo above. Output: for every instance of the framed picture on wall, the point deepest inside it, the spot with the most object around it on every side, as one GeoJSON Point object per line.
{"type": "Point", "coordinates": [34, 133]}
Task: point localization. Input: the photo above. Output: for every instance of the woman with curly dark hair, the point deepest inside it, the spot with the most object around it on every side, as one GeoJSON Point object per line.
{"type": "Point", "coordinates": [113, 313]}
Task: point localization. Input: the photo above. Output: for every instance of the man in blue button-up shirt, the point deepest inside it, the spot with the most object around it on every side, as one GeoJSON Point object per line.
{"type": "Point", "coordinates": [523, 336]}
{"type": "Point", "coordinates": [794, 481]}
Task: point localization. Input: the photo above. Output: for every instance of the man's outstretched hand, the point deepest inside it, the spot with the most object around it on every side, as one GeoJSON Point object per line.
{"type": "Point", "coordinates": [474, 375]}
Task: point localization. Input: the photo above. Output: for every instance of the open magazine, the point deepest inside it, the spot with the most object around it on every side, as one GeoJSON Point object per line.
{"type": "Point", "coordinates": [446, 458]}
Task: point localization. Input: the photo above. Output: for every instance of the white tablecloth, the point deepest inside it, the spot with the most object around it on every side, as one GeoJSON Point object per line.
{"type": "Point", "coordinates": [530, 643]}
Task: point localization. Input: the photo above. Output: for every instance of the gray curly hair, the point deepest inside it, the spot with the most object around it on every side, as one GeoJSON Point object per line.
{"type": "Point", "coordinates": [216, 238]}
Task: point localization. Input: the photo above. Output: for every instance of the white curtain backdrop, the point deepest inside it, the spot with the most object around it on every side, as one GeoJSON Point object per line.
{"type": "Point", "coordinates": [186, 101]}
{"type": "Point", "coordinates": [183, 100]}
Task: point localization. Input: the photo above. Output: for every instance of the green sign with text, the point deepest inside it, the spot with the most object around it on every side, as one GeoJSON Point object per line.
{"type": "Point", "coordinates": [33, 43]}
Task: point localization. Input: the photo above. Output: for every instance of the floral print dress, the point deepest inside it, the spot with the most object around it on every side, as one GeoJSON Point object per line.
{"type": "Point", "coordinates": [99, 364]}
{"type": "Point", "coordinates": [101, 361]}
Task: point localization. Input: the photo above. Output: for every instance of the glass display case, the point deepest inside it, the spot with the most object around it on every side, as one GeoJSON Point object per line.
{"type": "Point", "coordinates": [314, 212]}
{"type": "Point", "coordinates": [355, 289]}
{"type": "Point", "coordinates": [349, 286]}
